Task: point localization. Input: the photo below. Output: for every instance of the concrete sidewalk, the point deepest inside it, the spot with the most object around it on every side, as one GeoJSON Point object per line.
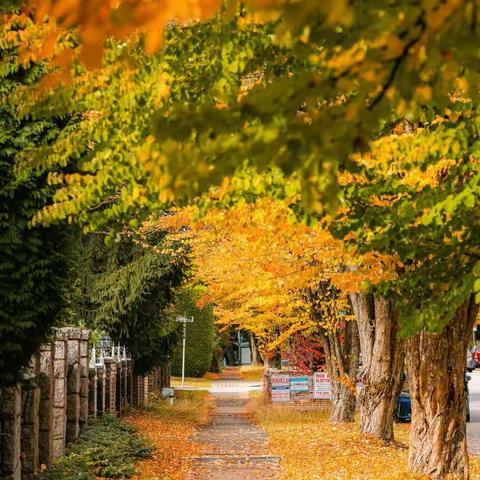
{"type": "Point", "coordinates": [234, 448]}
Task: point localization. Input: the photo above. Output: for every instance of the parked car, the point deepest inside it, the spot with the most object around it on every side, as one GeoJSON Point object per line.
{"type": "Point", "coordinates": [403, 411]}
{"type": "Point", "coordinates": [476, 356]}
{"type": "Point", "coordinates": [471, 363]}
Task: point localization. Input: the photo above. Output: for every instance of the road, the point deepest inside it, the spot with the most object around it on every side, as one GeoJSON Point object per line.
{"type": "Point", "coordinates": [473, 428]}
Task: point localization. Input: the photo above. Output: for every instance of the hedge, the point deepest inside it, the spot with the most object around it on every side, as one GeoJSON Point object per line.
{"type": "Point", "coordinates": [200, 336]}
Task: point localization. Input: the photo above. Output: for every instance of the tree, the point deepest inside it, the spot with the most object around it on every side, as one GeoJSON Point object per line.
{"type": "Point", "coordinates": [33, 260]}
{"type": "Point", "coordinates": [434, 238]}
{"type": "Point", "coordinates": [362, 68]}
{"type": "Point", "coordinates": [276, 278]}
{"type": "Point", "coordinates": [128, 289]}
{"type": "Point", "coordinates": [341, 344]}
{"type": "Point", "coordinates": [200, 335]}
{"type": "Point", "coordinates": [381, 375]}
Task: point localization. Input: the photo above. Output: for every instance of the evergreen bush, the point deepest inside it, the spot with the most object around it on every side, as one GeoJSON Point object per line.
{"type": "Point", "coordinates": [200, 336]}
{"type": "Point", "coordinates": [108, 448]}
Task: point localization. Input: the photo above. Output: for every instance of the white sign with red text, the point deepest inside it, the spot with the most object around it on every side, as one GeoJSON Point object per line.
{"type": "Point", "coordinates": [280, 388]}
{"type": "Point", "coordinates": [322, 387]}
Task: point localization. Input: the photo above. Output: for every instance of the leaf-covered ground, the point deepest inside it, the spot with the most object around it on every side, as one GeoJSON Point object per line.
{"type": "Point", "coordinates": [312, 448]}
{"type": "Point", "coordinates": [170, 429]}
{"type": "Point", "coordinates": [192, 382]}
{"type": "Point", "coordinates": [252, 373]}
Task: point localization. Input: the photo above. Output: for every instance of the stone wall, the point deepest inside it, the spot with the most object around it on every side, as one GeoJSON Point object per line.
{"type": "Point", "coordinates": [63, 386]}
{"type": "Point", "coordinates": [30, 420]}
{"type": "Point", "coordinates": [10, 433]}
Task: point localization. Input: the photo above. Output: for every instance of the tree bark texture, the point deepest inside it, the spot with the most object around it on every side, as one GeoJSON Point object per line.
{"type": "Point", "coordinates": [381, 372]}
{"type": "Point", "coordinates": [437, 380]}
{"type": "Point", "coordinates": [341, 346]}
{"type": "Point", "coordinates": [342, 359]}
{"type": "Point", "coordinates": [254, 349]}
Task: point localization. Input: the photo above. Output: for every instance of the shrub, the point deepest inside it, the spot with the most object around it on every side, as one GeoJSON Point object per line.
{"type": "Point", "coordinates": [108, 448]}
{"type": "Point", "coordinates": [200, 336]}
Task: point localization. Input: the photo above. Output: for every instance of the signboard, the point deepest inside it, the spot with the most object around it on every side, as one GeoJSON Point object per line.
{"type": "Point", "coordinates": [282, 381]}
{"type": "Point", "coordinates": [280, 395]}
{"type": "Point", "coordinates": [299, 384]}
{"type": "Point", "coordinates": [322, 387]}
{"type": "Point", "coordinates": [280, 388]}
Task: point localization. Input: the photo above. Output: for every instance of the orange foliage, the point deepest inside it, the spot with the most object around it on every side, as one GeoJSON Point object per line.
{"type": "Point", "coordinates": [170, 430]}
{"type": "Point", "coordinates": [93, 21]}
{"type": "Point", "coordinates": [257, 262]}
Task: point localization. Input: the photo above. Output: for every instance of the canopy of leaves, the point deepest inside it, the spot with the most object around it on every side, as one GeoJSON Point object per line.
{"type": "Point", "coordinates": [332, 78]}
{"type": "Point", "coordinates": [419, 197]}
{"type": "Point", "coordinates": [259, 266]}
{"type": "Point", "coordinates": [32, 260]}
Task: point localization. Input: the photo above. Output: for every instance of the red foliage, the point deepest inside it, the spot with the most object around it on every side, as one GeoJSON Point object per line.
{"type": "Point", "coordinates": [306, 353]}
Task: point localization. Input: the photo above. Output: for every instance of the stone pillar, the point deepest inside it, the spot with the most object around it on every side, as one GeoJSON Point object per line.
{"type": "Point", "coordinates": [168, 375]}
{"type": "Point", "coordinates": [46, 384]}
{"type": "Point", "coordinates": [73, 383]}
{"type": "Point", "coordinates": [119, 407]}
{"type": "Point", "coordinates": [136, 393]}
{"type": "Point", "coordinates": [84, 377]}
{"type": "Point", "coordinates": [76, 355]}
{"type": "Point", "coordinates": [126, 403]}
{"type": "Point", "coordinates": [10, 433]}
{"type": "Point", "coordinates": [60, 394]}
{"type": "Point", "coordinates": [30, 420]}
{"type": "Point", "coordinates": [100, 369]}
{"type": "Point", "coordinates": [110, 385]}
{"type": "Point", "coordinates": [151, 381]}
{"type": "Point", "coordinates": [146, 389]}
{"type": "Point", "coordinates": [92, 391]}
{"type": "Point", "coordinates": [129, 382]}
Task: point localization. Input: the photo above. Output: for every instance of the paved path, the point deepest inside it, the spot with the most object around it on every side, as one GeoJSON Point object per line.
{"type": "Point", "coordinates": [234, 447]}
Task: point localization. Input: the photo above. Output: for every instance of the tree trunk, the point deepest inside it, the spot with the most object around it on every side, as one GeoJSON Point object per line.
{"type": "Point", "coordinates": [437, 379]}
{"type": "Point", "coordinates": [343, 402]}
{"type": "Point", "coordinates": [382, 363]}
{"type": "Point", "coordinates": [342, 360]}
{"type": "Point", "coordinates": [254, 350]}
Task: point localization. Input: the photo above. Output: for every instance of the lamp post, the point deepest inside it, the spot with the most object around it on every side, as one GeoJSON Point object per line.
{"type": "Point", "coordinates": [184, 319]}
{"type": "Point", "coordinates": [104, 342]}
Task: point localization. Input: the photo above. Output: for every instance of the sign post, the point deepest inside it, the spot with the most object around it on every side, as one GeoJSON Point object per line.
{"type": "Point", "coordinates": [184, 320]}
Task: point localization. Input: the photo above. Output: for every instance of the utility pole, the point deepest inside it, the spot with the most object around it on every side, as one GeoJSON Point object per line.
{"type": "Point", "coordinates": [184, 320]}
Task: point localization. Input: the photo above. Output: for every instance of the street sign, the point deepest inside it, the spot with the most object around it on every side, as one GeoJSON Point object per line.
{"type": "Point", "coordinates": [184, 319]}
{"type": "Point", "coordinates": [322, 387]}
{"type": "Point", "coordinates": [299, 384]}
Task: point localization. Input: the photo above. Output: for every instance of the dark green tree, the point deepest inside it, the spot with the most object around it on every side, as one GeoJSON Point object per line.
{"type": "Point", "coordinates": [32, 260]}
{"type": "Point", "coordinates": [127, 289]}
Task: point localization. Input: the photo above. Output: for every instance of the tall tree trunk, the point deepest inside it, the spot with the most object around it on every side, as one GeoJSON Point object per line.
{"type": "Point", "coordinates": [382, 363]}
{"type": "Point", "coordinates": [254, 350]}
{"type": "Point", "coordinates": [342, 359]}
{"type": "Point", "coordinates": [437, 379]}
